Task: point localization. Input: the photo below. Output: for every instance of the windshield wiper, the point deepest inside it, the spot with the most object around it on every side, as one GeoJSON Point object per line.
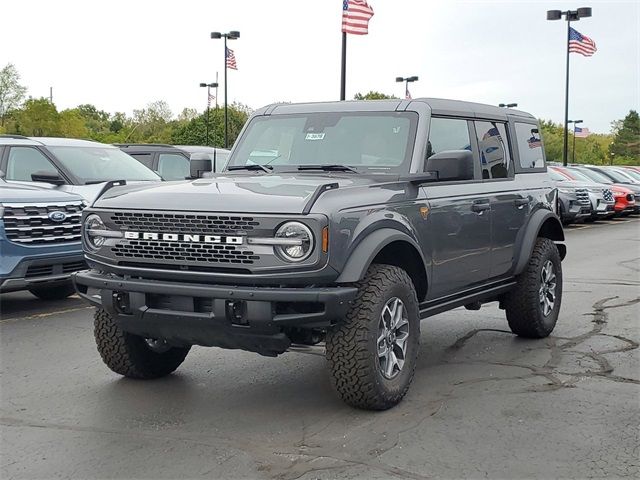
{"type": "Point", "coordinates": [328, 168]}
{"type": "Point", "coordinates": [254, 166]}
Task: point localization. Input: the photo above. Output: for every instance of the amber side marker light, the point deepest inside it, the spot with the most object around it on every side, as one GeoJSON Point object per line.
{"type": "Point", "coordinates": [325, 239]}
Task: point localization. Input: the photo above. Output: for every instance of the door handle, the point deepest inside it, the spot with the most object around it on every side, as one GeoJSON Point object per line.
{"type": "Point", "coordinates": [521, 202]}
{"type": "Point", "coordinates": [480, 206]}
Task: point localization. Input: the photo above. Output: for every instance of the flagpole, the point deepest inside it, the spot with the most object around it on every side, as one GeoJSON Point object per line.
{"type": "Point", "coordinates": [343, 76]}
{"type": "Point", "coordinates": [565, 149]}
{"type": "Point", "coordinates": [217, 88]}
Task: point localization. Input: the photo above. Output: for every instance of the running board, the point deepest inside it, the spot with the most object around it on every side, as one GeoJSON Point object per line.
{"type": "Point", "coordinates": [434, 307]}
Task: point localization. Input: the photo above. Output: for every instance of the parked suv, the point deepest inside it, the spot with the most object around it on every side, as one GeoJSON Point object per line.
{"type": "Point", "coordinates": [365, 218]}
{"type": "Point", "coordinates": [67, 164]}
{"type": "Point", "coordinates": [572, 193]}
{"type": "Point", "coordinates": [173, 162]}
{"type": "Point", "coordinates": [39, 240]}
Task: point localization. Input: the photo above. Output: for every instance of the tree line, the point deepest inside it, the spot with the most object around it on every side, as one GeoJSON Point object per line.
{"type": "Point", "coordinates": [155, 123]}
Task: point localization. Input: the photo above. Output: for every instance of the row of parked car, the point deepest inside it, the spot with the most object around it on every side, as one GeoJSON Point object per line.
{"type": "Point", "coordinates": [587, 193]}
{"type": "Point", "coordinates": [46, 182]}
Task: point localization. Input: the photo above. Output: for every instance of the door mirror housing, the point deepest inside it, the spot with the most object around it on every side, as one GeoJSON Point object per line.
{"type": "Point", "coordinates": [451, 165]}
{"type": "Point", "coordinates": [51, 177]}
{"type": "Point", "coordinates": [199, 164]}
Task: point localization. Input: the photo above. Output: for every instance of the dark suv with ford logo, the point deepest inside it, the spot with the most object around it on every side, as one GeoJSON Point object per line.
{"type": "Point", "coordinates": [341, 225]}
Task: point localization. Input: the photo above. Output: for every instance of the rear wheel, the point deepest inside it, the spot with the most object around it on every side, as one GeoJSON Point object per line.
{"type": "Point", "coordinates": [55, 291]}
{"type": "Point", "coordinates": [372, 355]}
{"type": "Point", "coordinates": [532, 307]}
{"type": "Point", "coordinates": [131, 355]}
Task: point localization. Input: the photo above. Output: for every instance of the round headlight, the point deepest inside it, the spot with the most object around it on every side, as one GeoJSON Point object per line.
{"type": "Point", "coordinates": [92, 224]}
{"type": "Point", "coordinates": [301, 241]}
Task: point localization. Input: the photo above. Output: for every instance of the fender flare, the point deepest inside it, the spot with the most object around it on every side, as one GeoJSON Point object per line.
{"type": "Point", "coordinates": [531, 233]}
{"type": "Point", "coordinates": [365, 252]}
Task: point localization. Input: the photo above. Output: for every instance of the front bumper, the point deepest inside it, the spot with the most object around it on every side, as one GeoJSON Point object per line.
{"type": "Point", "coordinates": [30, 273]}
{"type": "Point", "coordinates": [257, 319]}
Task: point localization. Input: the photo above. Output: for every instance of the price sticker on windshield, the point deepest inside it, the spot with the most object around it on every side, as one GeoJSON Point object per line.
{"type": "Point", "coordinates": [314, 136]}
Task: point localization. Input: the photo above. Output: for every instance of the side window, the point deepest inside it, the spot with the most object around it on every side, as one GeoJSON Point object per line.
{"type": "Point", "coordinates": [144, 158]}
{"type": "Point", "coordinates": [447, 134]}
{"type": "Point", "coordinates": [23, 161]}
{"type": "Point", "coordinates": [529, 145]}
{"type": "Point", "coordinates": [494, 152]}
{"type": "Point", "coordinates": [172, 166]}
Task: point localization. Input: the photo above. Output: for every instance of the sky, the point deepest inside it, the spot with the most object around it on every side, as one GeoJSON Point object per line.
{"type": "Point", "coordinates": [121, 55]}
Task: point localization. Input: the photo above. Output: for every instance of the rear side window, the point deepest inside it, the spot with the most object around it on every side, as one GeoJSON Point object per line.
{"type": "Point", "coordinates": [144, 158]}
{"type": "Point", "coordinates": [529, 145]}
{"type": "Point", "coordinates": [173, 167]}
{"type": "Point", "coordinates": [494, 150]}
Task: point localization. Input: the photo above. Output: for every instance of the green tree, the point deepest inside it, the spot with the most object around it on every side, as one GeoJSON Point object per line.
{"type": "Point", "coordinates": [38, 118]}
{"type": "Point", "coordinates": [194, 131]}
{"type": "Point", "coordinates": [72, 124]}
{"type": "Point", "coordinates": [625, 147]}
{"type": "Point", "coordinates": [11, 91]}
{"type": "Point", "coordinates": [371, 95]}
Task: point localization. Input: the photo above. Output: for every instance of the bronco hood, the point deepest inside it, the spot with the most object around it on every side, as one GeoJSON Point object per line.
{"type": "Point", "coordinates": [276, 193]}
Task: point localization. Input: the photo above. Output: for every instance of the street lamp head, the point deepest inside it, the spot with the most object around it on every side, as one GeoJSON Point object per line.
{"type": "Point", "coordinates": [413, 79]}
{"type": "Point", "coordinates": [399, 79]}
{"type": "Point", "coordinates": [578, 121]}
{"type": "Point", "coordinates": [216, 35]}
{"type": "Point", "coordinates": [203, 84]}
{"type": "Point", "coordinates": [233, 35]}
{"type": "Point", "coordinates": [584, 12]}
{"type": "Point", "coordinates": [554, 14]}
{"type": "Point", "coordinates": [213, 85]}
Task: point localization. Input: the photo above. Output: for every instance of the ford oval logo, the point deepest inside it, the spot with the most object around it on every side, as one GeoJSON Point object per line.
{"type": "Point", "coordinates": [58, 216]}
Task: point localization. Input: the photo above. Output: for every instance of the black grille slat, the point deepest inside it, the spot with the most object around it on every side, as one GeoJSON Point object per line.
{"type": "Point", "coordinates": [159, 251]}
{"type": "Point", "coordinates": [30, 223]}
{"type": "Point", "coordinates": [582, 196]}
{"type": "Point", "coordinates": [184, 222]}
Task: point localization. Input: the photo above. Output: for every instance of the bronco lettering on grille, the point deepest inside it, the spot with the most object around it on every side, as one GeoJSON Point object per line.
{"type": "Point", "coordinates": [180, 237]}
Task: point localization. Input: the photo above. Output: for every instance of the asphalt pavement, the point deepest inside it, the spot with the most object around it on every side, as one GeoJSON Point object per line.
{"type": "Point", "coordinates": [483, 403]}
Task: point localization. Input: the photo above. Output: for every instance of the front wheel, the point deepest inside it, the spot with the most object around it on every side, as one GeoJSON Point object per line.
{"type": "Point", "coordinates": [532, 307]}
{"type": "Point", "coordinates": [133, 356]}
{"type": "Point", "coordinates": [373, 354]}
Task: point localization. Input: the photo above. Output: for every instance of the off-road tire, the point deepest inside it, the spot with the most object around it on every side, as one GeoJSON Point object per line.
{"type": "Point", "coordinates": [352, 345]}
{"type": "Point", "coordinates": [58, 291]}
{"type": "Point", "coordinates": [522, 305]}
{"type": "Point", "coordinates": [130, 355]}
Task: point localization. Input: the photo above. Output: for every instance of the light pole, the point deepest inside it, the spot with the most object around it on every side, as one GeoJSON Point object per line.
{"type": "Point", "coordinates": [208, 85]}
{"type": "Point", "coordinates": [570, 16]}
{"type": "Point", "coordinates": [232, 35]}
{"type": "Point", "coordinates": [573, 154]}
{"type": "Point", "coordinates": [407, 80]}
{"type": "Point", "coordinates": [508, 105]}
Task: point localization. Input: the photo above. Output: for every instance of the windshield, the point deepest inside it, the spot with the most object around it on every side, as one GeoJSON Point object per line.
{"type": "Point", "coordinates": [576, 175]}
{"type": "Point", "coordinates": [375, 142]}
{"type": "Point", "coordinates": [101, 164]}
{"type": "Point", "coordinates": [595, 176]}
{"type": "Point", "coordinates": [618, 177]}
{"type": "Point", "coordinates": [630, 173]}
{"type": "Point", "coordinates": [558, 177]}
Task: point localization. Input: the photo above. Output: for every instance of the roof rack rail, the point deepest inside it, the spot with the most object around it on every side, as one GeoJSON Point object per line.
{"type": "Point", "coordinates": [14, 135]}
{"type": "Point", "coordinates": [143, 145]}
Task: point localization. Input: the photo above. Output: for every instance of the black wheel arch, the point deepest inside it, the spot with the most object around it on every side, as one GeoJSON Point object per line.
{"type": "Point", "coordinates": [391, 247]}
{"type": "Point", "coordinates": [542, 223]}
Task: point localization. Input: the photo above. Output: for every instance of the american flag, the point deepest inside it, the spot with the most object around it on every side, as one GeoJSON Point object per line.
{"type": "Point", "coordinates": [407, 94]}
{"type": "Point", "coordinates": [355, 17]}
{"type": "Point", "coordinates": [211, 98]}
{"type": "Point", "coordinates": [492, 132]}
{"type": "Point", "coordinates": [581, 44]}
{"type": "Point", "coordinates": [534, 142]}
{"type": "Point", "coordinates": [581, 132]}
{"type": "Point", "coordinates": [231, 59]}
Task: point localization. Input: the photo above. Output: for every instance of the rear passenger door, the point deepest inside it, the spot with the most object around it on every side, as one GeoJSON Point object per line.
{"type": "Point", "coordinates": [459, 226]}
{"type": "Point", "coordinates": [509, 206]}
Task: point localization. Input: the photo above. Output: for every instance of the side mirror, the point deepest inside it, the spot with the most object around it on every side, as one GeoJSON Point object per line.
{"type": "Point", "coordinates": [199, 165]}
{"type": "Point", "coordinates": [51, 177]}
{"type": "Point", "coordinates": [451, 165]}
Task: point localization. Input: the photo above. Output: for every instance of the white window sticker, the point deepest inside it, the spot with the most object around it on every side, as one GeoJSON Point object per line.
{"type": "Point", "coordinates": [314, 136]}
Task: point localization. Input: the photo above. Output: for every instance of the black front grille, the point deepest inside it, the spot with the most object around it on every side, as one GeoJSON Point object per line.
{"type": "Point", "coordinates": [183, 222]}
{"type": "Point", "coordinates": [159, 251]}
{"type": "Point", "coordinates": [582, 196]}
{"type": "Point", "coordinates": [73, 267]}
{"type": "Point", "coordinates": [39, 271]}
{"type": "Point", "coordinates": [45, 270]}
{"type": "Point", "coordinates": [32, 223]}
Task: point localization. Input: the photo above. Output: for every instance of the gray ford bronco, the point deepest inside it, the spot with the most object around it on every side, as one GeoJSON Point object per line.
{"type": "Point", "coordinates": [341, 224]}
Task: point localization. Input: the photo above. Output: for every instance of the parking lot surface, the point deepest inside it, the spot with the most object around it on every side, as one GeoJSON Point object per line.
{"type": "Point", "coordinates": [483, 403]}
